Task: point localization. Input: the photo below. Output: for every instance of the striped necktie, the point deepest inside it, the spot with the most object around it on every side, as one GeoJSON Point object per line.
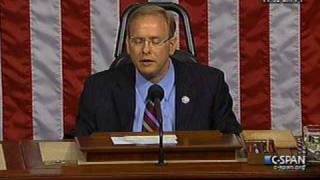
{"type": "Point", "coordinates": [150, 121]}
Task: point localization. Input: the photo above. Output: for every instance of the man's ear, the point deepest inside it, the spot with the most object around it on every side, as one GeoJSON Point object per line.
{"type": "Point", "coordinates": [173, 44]}
{"type": "Point", "coordinates": [127, 46]}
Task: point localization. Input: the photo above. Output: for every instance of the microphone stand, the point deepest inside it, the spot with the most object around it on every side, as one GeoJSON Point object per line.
{"type": "Point", "coordinates": [159, 117]}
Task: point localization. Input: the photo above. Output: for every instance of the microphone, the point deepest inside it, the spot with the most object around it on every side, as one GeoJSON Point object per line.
{"type": "Point", "coordinates": [155, 91]}
{"type": "Point", "coordinates": [155, 94]}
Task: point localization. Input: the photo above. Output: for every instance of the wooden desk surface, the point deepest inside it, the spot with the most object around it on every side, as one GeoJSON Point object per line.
{"type": "Point", "coordinates": [170, 171]}
{"type": "Point", "coordinates": [22, 167]}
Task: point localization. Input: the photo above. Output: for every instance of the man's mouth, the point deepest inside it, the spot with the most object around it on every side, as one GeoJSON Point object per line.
{"type": "Point", "coordinates": [146, 62]}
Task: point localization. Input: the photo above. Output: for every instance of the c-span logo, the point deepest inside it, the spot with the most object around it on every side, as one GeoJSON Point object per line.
{"type": "Point", "coordinates": [286, 162]}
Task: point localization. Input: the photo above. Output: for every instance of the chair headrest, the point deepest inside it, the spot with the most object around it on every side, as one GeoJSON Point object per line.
{"type": "Point", "coordinates": [179, 55]}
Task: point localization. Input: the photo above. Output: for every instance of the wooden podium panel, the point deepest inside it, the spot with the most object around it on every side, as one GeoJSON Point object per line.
{"type": "Point", "coordinates": [199, 145]}
{"type": "Point", "coordinates": [24, 162]}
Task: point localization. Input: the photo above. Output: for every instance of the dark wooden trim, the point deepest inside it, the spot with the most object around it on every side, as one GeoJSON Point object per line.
{"type": "Point", "coordinates": [13, 155]}
{"type": "Point", "coordinates": [31, 154]}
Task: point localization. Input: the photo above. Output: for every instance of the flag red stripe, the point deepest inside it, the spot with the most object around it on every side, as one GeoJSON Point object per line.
{"type": "Point", "coordinates": [124, 4]}
{"type": "Point", "coordinates": [310, 61]}
{"type": "Point", "coordinates": [254, 65]}
{"type": "Point", "coordinates": [16, 70]}
{"type": "Point", "coordinates": [198, 12]}
{"type": "Point", "coordinates": [76, 55]}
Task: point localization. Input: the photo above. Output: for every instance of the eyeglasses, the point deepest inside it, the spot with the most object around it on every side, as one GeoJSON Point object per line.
{"type": "Point", "coordinates": [155, 42]}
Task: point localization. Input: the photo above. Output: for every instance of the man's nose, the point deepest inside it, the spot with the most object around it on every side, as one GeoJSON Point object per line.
{"type": "Point", "coordinates": [146, 47]}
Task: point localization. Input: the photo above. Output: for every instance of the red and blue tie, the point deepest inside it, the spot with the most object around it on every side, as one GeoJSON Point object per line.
{"type": "Point", "coordinates": [150, 121]}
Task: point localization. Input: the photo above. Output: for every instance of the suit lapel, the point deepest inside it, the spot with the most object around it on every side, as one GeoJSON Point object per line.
{"type": "Point", "coordinates": [125, 96]}
{"type": "Point", "coordinates": [185, 96]}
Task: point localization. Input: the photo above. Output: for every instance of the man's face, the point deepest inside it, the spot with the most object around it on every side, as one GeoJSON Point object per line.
{"type": "Point", "coordinates": [149, 46]}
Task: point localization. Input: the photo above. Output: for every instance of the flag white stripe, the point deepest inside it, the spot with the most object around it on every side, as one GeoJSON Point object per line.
{"type": "Point", "coordinates": [285, 67]}
{"type": "Point", "coordinates": [299, 81]}
{"type": "Point", "coordinates": [47, 91]}
{"type": "Point", "coordinates": [224, 44]}
{"type": "Point", "coordinates": [236, 96]}
{"type": "Point", "coordinates": [104, 24]}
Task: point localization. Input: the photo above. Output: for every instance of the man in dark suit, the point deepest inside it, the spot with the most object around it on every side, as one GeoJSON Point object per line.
{"type": "Point", "coordinates": [196, 97]}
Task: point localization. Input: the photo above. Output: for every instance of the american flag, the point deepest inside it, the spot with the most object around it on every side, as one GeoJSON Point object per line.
{"type": "Point", "coordinates": [270, 53]}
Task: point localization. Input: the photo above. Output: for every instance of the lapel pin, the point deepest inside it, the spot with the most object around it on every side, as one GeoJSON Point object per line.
{"type": "Point", "coordinates": [185, 99]}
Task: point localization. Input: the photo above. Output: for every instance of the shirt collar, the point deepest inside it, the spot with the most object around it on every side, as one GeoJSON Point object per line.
{"type": "Point", "coordinates": [167, 83]}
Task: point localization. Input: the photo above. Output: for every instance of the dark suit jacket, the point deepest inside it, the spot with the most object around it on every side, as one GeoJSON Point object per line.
{"type": "Point", "coordinates": [108, 100]}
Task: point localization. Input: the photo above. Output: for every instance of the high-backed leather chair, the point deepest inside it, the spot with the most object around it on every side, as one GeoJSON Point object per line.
{"type": "Point", "coordinates": [121, 56]}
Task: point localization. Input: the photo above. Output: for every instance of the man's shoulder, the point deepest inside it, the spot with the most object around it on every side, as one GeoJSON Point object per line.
{"type": "Point", "coordinates": [111, 75]}
{"type": "Point", "coordinates": [100, 77]}
{"type": "Point", "coordinates": [199, 69]}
